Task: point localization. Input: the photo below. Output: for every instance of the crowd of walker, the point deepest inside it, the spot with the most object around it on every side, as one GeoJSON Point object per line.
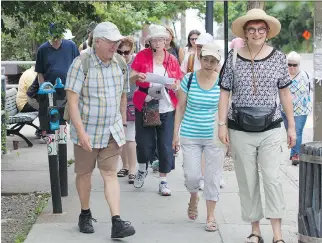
{"type": "Point", "coordinates": [203, 106]}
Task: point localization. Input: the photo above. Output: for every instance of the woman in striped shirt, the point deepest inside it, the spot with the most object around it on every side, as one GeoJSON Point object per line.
{"type": "Point", "coordinates": [198, 103]}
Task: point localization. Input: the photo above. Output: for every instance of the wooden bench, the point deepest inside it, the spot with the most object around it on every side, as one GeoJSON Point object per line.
{"type": "Point", "coordinates": [16, 119]}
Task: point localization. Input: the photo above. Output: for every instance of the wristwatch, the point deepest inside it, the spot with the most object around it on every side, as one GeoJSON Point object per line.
{"type": "Point", "coordinates": [222, 123]}
{"type": "Point", "coordinates": [124, 125]}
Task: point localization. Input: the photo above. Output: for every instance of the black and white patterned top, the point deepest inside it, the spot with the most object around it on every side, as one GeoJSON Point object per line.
{"type": "Point", "coordinates": [271, 74]}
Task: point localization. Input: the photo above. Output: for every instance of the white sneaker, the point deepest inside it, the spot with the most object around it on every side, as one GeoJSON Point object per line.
{"type": "Point", "coordinates": [164, 190]}
{"type": "Point", "coordinates": [222, 183]}
{"type": "Point", "coordinates": [201, 184]}
{"type": "Point", "coordinates": [139, 179]}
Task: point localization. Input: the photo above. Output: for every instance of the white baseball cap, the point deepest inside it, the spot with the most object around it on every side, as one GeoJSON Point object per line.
{"type": "Point", "coordinates": [204, 38]}
{"type": "Point", "coordinates": [68, 35]}
{"type": "Point", "coordinates": [108, 31]}
{"type": "Point", "coordinates": [211, 49]}
{"type": "Point", "coordinates": [156, 31]}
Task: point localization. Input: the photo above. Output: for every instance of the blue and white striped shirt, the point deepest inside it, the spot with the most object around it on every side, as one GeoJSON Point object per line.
{"type": "Point", "coordinates": [199, 117]}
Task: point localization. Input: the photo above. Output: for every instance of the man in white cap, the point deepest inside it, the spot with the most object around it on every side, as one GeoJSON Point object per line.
{"type": "Point", "coordinates": [96, 86]}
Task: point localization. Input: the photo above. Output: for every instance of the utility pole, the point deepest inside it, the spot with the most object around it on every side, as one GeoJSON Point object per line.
{"type": "Point", "coordinates": [255, 4]}
{"type": "Point", "coordinates": [317, 107]}
{"type": "Point", "coordinates": [226, 27]}
{"type": "Point", "coordinates": [210, 17]}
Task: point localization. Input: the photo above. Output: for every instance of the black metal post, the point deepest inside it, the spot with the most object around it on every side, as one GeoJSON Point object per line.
{"type": "Point", "coordinates": [62, 137]}
{"type": "Point", "coordinates": [54, 172]}
{"type": "Point", "coordinates": [226, 27]}
{"type": "Point", "coordinates": [62, 157]}
{"type": "Point", "coordinates": [209, 21]}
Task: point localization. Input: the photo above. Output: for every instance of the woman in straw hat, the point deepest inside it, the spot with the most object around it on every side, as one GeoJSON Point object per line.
{"type": "Point", "coordinates": [155, 105]}
{"type": "Point", "coordinates": [255, 75]}
{"type": "Point", "coordinates": [198, 102]}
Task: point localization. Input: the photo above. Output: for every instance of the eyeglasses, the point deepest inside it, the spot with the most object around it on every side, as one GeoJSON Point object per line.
{"type": "Point", "coordinates": [193, 39]}
{"type": "Point", "coordinates": [125, 53]}
{"type": "Point", "coordinates": [292, 65]}
{"type": "Point", "coordinates": [252, 30]}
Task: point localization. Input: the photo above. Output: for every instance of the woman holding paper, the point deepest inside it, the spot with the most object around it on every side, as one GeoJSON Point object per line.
{"type": "Point", "coordinates": [155, 104]}
{"type": "Point", "coordinates": [196, 111]}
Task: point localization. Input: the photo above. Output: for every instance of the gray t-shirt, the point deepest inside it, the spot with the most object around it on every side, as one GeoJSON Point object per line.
{"type": "Point", "coordinates": [271, 75]}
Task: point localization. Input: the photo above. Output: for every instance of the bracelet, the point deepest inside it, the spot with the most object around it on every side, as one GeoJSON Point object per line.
{"type": "Point", "coordinates": [124, 125]}
{"type": "Point", "coordinates": [222, 123]}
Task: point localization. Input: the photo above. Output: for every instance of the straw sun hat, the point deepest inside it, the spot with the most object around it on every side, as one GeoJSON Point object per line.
{"type": "Point", "coordinates": [256, 14]}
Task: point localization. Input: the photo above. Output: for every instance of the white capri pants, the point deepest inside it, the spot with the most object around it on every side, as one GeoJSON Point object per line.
{"type": "Point", "coordinates": [192, 150]}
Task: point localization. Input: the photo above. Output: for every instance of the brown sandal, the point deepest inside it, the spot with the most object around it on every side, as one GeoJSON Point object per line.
{"type": "Point", "coordinates": [211, 226]}
{"type": "Point", "coordinates": [193, 210]}
{"type": "Point", "coordinates": [260, 239]}
{"type": "Point", "coordinates": [123, 173]}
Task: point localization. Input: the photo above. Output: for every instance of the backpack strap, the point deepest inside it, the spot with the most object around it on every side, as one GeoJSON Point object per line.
{"type": "Point", "coordinates": [189, 81]}
{"type": "Point", "coordinates": [121, 62]}
{"type": "Point", "coordinates": [85, 59]}
{"type": "Point", "coordinates": [191, 62]}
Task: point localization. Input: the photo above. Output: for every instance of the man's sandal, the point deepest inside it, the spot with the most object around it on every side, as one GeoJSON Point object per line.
{"type": "Point", "coordinates": [122, 173]}
{"type": "Point", "coordinates": [260, 239]}
{"type": "Point", "coordinates": [278, 241]}
{"type": "Point", "coordinates": [193, 210]}
{"type": "Point", "coordinates": [211, 226]}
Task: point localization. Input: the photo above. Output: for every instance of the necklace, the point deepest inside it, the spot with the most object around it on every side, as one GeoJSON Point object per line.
{"type": "Point", "coordinates": [253, 68]}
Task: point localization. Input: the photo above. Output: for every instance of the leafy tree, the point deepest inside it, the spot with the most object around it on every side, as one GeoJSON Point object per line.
{"type": "Point", "coordinates": [295, 18]}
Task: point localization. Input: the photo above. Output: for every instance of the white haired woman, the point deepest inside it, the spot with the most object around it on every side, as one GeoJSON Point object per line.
{"type": "Point", "coordinates": [302, 105]}
{"type": "Point", "coordinates": [155, 105]}
{"type": "Point", "coordinates": [252, 126]}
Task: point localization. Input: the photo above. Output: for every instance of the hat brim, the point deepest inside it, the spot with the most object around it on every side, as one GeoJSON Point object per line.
{"type": "Point", "coordinates": [210, 53]}
{"type": "Point", "coordinates": [161, 35]}
{"type": "Point", "coordinates": [273, 23]}
{"type": "Point", "coordinates": [115, 37]}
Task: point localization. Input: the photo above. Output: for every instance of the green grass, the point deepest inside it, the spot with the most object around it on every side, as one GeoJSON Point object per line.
{"type": "Point", "coordinates": [22, 235]}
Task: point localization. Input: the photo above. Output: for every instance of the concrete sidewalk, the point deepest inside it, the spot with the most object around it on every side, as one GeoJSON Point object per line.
{"type": "Point", "coordinates": [156, 218]}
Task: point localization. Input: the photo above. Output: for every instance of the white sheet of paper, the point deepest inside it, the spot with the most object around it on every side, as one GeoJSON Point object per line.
{"type": "Point", "coordinates": [154, 78]}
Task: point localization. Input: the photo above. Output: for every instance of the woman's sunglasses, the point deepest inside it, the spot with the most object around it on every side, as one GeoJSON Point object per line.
{"type": "Point", "coordinates": [292, 65]}
{"type": "Point", "coordinates": [193, 39]}
{"type": "Point", "coordinates": [125, 53]}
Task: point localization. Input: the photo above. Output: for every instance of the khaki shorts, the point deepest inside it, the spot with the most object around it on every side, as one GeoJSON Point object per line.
{"type": "Point", "coordinates": [107, 158]}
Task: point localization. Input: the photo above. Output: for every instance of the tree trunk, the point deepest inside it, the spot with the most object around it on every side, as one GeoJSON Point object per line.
{"type": "Point", "coordinates": [317, 108]}
{"type": "Point", "coordinates": [183, 33]}
{"type": "Point", "coordinates": [255, 4]}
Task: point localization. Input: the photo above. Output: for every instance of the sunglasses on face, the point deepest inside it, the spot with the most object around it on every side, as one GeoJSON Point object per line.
{"type": "Point", "coordinates": [125, 53]}
{"type": "Point", "coordinates": [292, 65]}
{"type": "Point", "coordinates": [193, 39]}
{"type": "Point", "coordinates": [252, 30]}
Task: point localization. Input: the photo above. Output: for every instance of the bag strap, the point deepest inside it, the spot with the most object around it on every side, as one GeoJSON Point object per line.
{"type": "Point", "coordinates": [189, 81]}
{"type": "Point", "coordinates": [121, 62]}
{"type": "Point", "coordinates": [85, 58]}
{"type": "Point", "coordinates": [191, 61]}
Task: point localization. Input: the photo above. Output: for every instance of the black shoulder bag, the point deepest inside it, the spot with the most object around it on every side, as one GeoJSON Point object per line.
{"type": "Point", "coordinates": [253, 119]}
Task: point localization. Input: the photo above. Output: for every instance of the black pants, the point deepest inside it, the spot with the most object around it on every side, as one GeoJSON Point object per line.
{"type": "Point", "coordinates": [148, 138]}
{"type": "Point", "coordinates": [28, 108]}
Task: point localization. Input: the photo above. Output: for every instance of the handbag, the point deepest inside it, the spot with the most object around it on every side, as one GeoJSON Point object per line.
{"type": "Point", "coordinates": [130, 111]}
{"type": "Point", "coordinates": [253, 119]}
{"type": "Point", "coordinates": [151, 115]}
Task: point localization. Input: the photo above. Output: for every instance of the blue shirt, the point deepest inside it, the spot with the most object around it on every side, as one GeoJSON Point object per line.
{"type": "Point", "coordinates": [199, 117]}
{"type": "Point", "coordinates": [53, 63]}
